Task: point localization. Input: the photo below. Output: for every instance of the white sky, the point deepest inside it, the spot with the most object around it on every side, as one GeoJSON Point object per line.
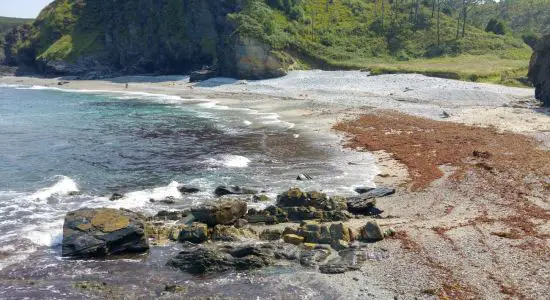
{"type": "Point", "coordinates": [22, 8]}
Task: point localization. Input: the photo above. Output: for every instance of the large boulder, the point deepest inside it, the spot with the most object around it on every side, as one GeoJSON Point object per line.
{"type": "Point", "coordinates": [224, 212]}
{"type": "Point", "coordinates": [101, 232]}
{"type": "Point", "coordinates": [539, 70]}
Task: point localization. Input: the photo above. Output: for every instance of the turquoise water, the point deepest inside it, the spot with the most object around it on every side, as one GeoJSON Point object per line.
{"type": "Point", "coordinates": [63, 150]}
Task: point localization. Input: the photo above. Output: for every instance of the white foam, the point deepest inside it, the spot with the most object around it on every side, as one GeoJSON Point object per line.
{"type": "Point", "coordinates": [229, 161]}
{"type": "Point", "coordinates": [247, 123]}
{"type": "Point", "coordinates": [142, 198]}
{"type": "Point", "coordinates": [64, 186]}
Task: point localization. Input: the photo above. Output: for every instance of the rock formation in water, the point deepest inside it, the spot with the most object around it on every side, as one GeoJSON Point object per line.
{"type": "Point", "coordinates": [539, 70]}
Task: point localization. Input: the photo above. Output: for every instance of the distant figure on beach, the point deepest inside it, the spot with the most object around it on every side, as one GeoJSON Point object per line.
{"type": "Point", "coordinates": [126, 86]}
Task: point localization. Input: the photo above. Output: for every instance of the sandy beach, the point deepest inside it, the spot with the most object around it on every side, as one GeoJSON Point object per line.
{"type": "Point", "coordinates": [472, 232]}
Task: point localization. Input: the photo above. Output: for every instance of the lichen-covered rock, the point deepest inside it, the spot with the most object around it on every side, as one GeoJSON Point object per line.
{"type": "Point", "coordinates": [195, 233]}
{"type": "Point", "coordinates": [293, 239]}
{"type": "Point", "coordinates": [271, 234]}
{"type": "Point", "coordinates": [99, 232]}
{"type": "Point", "coordinates": [256, 60]}
{"type": "Point", "coordinates": [224, 212]}
{"type": "Point", "coordinates": [232, 233]}
{"type": "Point", "coordinates": [539, 70]}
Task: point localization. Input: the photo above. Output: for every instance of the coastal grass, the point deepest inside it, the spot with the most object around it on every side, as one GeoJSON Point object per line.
{"type": "Point", "coordinates": [482, 68]}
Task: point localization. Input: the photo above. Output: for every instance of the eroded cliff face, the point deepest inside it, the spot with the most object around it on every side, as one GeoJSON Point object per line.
{"type": "Point", "coordinates": [104, 38]}
{"type": "Point", "coordinates": [539, 70]}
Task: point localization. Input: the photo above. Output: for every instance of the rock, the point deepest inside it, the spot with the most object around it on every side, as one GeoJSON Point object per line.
{"type": "Point", "coordinates": [378, 192]}
{"type": "Point", "coordinates": [202, 75]}
{"type": "Point", "coordinates": [102, 232]}
{"type": "Point", "coordinates": [340, 231]}
{"type": "Point", "coordinates": [361, 205]}
{"type": "Point", "coordinates": [223, 212]}
{"type": "Point", "coordinates": [267, 219]}
{"type": "Point", "coordinates": [303, 177]}
{"type": "Point", "coordinates": [200, 259]}
{"type": "Point", "coordinates": [116, 196]}
{"type": "Point", "coordinates": [339, 245]}
{"type": "Point", "coordinates": [169, 215]}
{"type": "Point", "coordinates": [255, 59]}
{"type": "Point", "coordinates": [309, 246]}
{"type": "Point", "coordinates": [261, 198]}
{"type": "Point", "coordinates": [313, 257]}
{"type": "Point", "coordinates": [293, 239]}
{"type": "Point", "coordinates": [271, 234]}
{"type": "Point", "coordinates": [293, 198]}
{"type": "Point", "coordinates": [353, 234]}
{"type": "Point", "coordinates": [539, 70]}
{"type": "Point", "coordinates": [188, 190]}
{"type": "Point", "coordinates": [232, 234]}
{"type": "Point", "coordinates": [241, 223]}
{"type": "Point", "coordinates": [362, 190]}
{"type": "Point", "coordinates": [372, 232]}
{"type": "Point", "coordinates": [233, 190]}
{"type": "Point", "coordinates": [195, 233]}
{"type": "Point", "coordinates": [290, 230]}
{"type": "Point", "coordinates": [334, 267]}
{"type": "Point", "coordinates": [168, 200]}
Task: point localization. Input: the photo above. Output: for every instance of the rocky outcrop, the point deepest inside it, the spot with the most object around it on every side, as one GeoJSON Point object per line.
{"type": "Point", "coordinates": [103, 38]}
{"type": "Point", "coordinates": [101, 232]}
{"type": "Point", "coordinates": [199, 259]}
{"type": "Point", "coordinates": [539, 70]}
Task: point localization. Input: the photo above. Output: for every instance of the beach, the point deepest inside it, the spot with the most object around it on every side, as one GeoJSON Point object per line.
{"type": "Point", "coordinates": [472, 230]}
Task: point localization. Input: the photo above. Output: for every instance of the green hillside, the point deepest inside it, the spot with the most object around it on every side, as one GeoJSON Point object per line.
{"type": "Point", "coordinates": [385, 36]}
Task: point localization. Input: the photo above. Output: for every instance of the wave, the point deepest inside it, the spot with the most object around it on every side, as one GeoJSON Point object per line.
{"type": "Point", "coordinates": [229, 161]}
{"type": "Point", "coordinates": [64, 186]}
{"type": "Point", "coordinates": [140, 199]}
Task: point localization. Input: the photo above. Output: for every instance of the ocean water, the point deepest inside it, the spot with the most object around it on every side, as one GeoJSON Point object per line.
{"type": "Point", "coordinates": [61, 150]}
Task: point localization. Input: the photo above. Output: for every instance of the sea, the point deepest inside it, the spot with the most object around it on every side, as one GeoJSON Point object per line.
{"type": "Point", "coordinates": [61, 150]}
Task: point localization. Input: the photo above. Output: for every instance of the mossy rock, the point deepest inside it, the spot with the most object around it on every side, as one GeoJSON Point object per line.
{"type": "Point", "coordinates": [110, 220]}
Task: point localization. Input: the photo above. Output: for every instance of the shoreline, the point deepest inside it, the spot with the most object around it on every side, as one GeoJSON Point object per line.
{"type": "Point", "coordinates": [448, 232]}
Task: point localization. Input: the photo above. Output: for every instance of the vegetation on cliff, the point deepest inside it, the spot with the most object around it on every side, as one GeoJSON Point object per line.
{"type": "Point", "coordinates": [259, 38]}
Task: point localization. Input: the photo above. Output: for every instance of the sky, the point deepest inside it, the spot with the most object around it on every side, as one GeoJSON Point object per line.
{"type": "Point", "coordinates": [22, 8]}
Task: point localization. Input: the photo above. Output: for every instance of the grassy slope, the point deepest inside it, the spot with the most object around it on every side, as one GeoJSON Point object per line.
{"type": "Point", "coordinates": [349, 34]}
{"type": "Point", "coordinates": [65, 35]}
{"type": "Point", "coordinates": [8, 23]}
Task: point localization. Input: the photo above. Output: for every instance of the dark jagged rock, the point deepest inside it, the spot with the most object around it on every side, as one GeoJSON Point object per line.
{"type": "Point", "coordinates": [199, 259]}
{"type": "Point", "coordinates": [539, 70]}
{"type": "Point", "coordinates": [188, 190]}
{"type": "Point", "coordinates": [376, 192]}
{"type": "Point", "coordinates": [372, 232]}
{"type": "Point", "coordinates": [362, 190]}
{"type": "Point", "coordinates": [102, 232]}
{"type": "Point", "coordinates": [224, 212]}
{"type": "Point", "coordinates": [116, 196]}
{"type": "Point", "coordinates": [233, 190]}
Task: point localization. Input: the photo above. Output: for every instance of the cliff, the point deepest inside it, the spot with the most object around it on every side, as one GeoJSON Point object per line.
{"type": "Point", "coordinates": [239, 38]}
{"type": "Point", "coordinates": [539, 70]}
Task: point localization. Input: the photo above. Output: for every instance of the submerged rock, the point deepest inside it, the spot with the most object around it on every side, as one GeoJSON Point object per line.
{"type": "Point", "coordinates": [233, 190]}
{"type": "Point", "coordinates": [224, 212]}
{"type": "Point", "coordinates": [100, 232]}
{"type": "Point", "coordinates": [188, 190]}
{"type": "Point", "coordinates": [303, 177]}
{"type": "Point", "coordinates": [116, 196]}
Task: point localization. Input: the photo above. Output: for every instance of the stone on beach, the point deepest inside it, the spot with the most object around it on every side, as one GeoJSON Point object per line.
{"type": "Point", "coordinates": [101, 232]}
{"type": "Point", "coordinates": [372, 232]}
